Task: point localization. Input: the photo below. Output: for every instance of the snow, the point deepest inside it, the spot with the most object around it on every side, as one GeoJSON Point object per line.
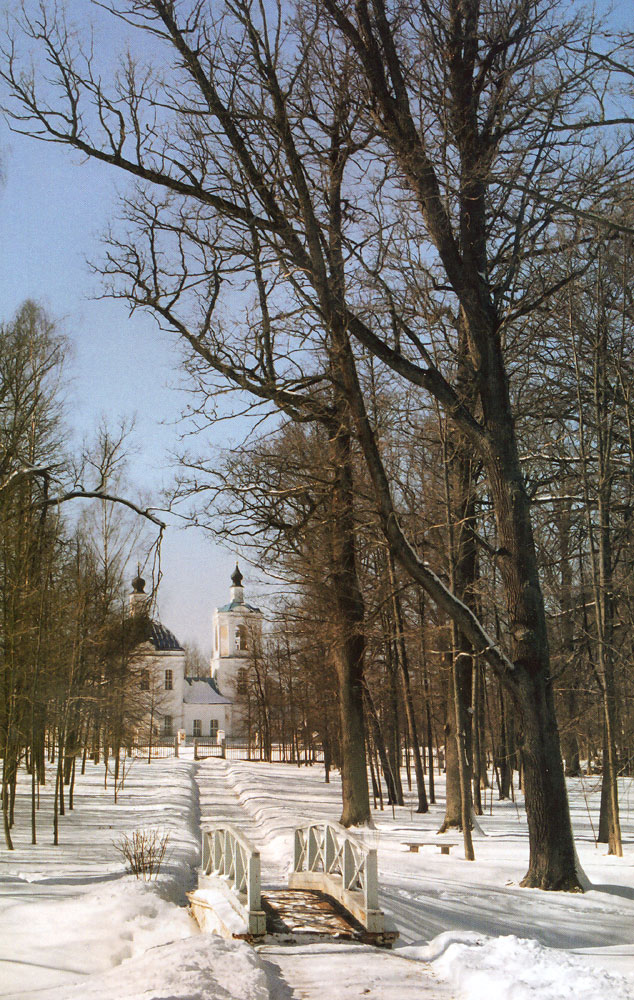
{"type": "Point", "coordinates": [74, 924]}
{"type": "Point", "coordinates": [487, 969]}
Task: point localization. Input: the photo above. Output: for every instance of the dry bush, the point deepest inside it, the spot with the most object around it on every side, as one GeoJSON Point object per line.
{"type": "Point", "coordinates": [144, 851]}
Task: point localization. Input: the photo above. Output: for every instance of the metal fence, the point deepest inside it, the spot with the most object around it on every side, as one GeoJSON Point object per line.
{"type": "Point", "coordinates": [208, 748]}
{"type": "Point", "coordinates": [280, 753]}
{"type": "Point", "coordinates": [160, 750]}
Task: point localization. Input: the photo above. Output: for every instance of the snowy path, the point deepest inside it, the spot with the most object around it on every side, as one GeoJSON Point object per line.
{"type": "Point", "coordinates": [307, 971]}
{"type": "Point", "coordinates": [75, 926]}
{"type": "Point", "coordinates": [348, 972]}
{"type": "Point", "coordinates": [218, 800]}
{"type": "Point", "coordinates": [473, 923]}
{"type": "Point", "coordinates": [221, 802]}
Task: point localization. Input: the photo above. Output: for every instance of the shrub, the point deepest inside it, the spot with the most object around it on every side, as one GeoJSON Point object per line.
{"type": "Point", "coordinates": [144, 851]}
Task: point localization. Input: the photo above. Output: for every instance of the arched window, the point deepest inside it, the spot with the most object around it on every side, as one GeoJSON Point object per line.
{"type": "Point", "coordinates": [144, 683]}
{"type": "Point", "coordinates": [241, 637]}
{"type": "Point", "coordinates": [167, 725]}
{"type": "Point", "coordinates": [242, 680]}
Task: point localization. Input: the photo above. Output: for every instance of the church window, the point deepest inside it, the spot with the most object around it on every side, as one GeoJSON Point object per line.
{"type": "Point", "coordinates": [213, 727]}
{"type": "Point", "coordinates": [198, 727]}
{"type": "Point", "coordinates": [224, 640]}
{"type": "Point", "coordinates": [169, 680]}
{"type": "Point", "coordinates": [241, 637]}
{"type": "Point", "coordinates": [242, 681]}
{"type": "Point", "coordinates": [144, 683]}
{"type": "Point", "coordinates": [167, 725]}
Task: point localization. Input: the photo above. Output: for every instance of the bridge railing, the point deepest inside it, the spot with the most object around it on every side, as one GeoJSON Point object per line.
{"type": "Point", "coordinates": [230, 857]}
{"type": "Point", "coordinates": [330, 858]}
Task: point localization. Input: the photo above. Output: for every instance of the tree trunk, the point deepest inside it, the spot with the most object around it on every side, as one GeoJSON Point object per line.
{"type": "Point", "coordinates": [5, 803]}
{"type": "Point", "coordinates": [453, 802]}
{"type": "Point", "coordinates": [391, 722]}
{"type": "Point", "coordinates": [569, 742]}
{"type": "Point", "coordinates": [349, 643]}
{"type": "Point", "coordinates": [504, 762]}
{"type": "Point", "coordinates": [379, 744]}
{"type": "Point", "coordinates": [605, 620]}
{"type": "Point", "coordinates": [552, 858]}
{"type": "Point", "coordinates": [552, 855]}
{"type": "Point", "coordinates": [426, 689]}
{"type": "Point", "coordinates": [462, 667]}
{"type": "Point", "coordinates": [476, 732]}
{"type": "Point", "coordinates": [407, 690]}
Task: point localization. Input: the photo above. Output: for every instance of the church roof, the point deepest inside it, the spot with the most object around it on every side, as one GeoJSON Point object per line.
{"type": "Point", "coordinates": [235, 605]}
{"type": "Point", "coordinates": [203, 691]}
{"type": "Point", "coordinates": [162, 639]}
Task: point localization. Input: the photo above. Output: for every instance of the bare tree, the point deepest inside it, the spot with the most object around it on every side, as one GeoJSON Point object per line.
{"type": "Point", "coordinates": [257, 158]}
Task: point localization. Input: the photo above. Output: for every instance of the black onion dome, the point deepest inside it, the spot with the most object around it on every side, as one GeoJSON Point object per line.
{"type": "Point", "coordinates": [236, 577]}
{"type": "Point", "coordinates": [138, 584]}
{"type": "Point", "coordinates": [162, 639]}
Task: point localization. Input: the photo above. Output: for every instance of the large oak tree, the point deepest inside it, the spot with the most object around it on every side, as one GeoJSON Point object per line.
{"type": "Point", "coordinates": [382, 178]}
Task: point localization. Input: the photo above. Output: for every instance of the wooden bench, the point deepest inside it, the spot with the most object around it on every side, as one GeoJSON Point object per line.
{"type": "Point", "coordinates": [444, 845]}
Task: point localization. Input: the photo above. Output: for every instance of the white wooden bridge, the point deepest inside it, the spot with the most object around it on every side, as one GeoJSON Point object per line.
{"type": "Point", "coordinates": [332, 889]}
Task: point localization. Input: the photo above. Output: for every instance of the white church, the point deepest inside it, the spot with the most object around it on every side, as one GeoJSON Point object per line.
{"type": "Point", "coordinates": [199, 706]}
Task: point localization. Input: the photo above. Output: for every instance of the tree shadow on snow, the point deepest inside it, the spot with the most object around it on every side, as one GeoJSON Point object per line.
{"type": "Point", "coordinates": [278, 987]}
{"type": "Point", "coordinates": [624, 891]}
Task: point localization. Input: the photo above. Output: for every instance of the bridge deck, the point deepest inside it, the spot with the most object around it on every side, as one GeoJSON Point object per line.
{"type": "Point", "coordinates": [307, 911]}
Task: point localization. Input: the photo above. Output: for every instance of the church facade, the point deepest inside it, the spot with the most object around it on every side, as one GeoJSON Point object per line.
{"type": "Point", "coordinates": [196, 707]}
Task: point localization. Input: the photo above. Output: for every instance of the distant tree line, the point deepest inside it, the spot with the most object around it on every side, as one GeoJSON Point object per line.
{"type": "Point", "coordinates": [68, 671]}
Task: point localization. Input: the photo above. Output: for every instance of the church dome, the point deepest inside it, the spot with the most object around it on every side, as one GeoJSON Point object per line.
{"type": "Point", "coordinates": [162, 639]}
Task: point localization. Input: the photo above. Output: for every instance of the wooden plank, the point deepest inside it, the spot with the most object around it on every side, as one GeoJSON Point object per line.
{"type": "Point", "coordinates": [307, 911]}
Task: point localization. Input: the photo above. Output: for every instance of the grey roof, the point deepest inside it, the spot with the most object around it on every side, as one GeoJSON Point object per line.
{"type": "Point", "coordinates": [162, 639]}
{"type": "Point", "coordinates": [203, 691]}
{"type": "Point", "coordinates": [234, 605]}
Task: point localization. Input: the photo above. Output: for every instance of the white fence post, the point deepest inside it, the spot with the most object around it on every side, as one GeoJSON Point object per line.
{"type": "Point", "coordinates": [312, 848]}
{"type": "Point", "coordinates": [254, 883]}
{"type": "Point", "coordinates": [371, 880]}
{"type": "Point", "coordinates": [298, 850]}
{"type": "Point", "coordinates": [347, 868]}
{"type": "Point", "coordinates": [330, 848]}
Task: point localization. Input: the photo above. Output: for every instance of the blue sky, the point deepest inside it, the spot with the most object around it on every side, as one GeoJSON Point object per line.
{"type": "Point", "coordinates": [53, 209]}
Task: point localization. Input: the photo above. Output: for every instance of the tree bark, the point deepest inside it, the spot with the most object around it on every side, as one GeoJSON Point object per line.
{"type": "Point", "coordinates": [349, 643]}
{"type": "Point", "coordinates": [407, 689]}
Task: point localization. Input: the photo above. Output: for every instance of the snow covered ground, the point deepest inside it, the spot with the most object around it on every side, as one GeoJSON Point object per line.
{"type": "Point", "coordinates": [74, 924]}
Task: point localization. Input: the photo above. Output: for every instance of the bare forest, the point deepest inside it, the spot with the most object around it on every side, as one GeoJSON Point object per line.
{"type": "Point", "coordinates": [400, 236]}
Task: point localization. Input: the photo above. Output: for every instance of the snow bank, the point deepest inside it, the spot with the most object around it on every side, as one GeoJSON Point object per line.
{"type": "Point", "coordinates": [474, 907]}
{"type": "Point", "coordinates": [95, 930]}
{"type": "Point", "coordinates": [202, 968]}
{"type": "Point", "coordinates": [512, 968]}
{"type": "Point", "coordinates": [73, 924]}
